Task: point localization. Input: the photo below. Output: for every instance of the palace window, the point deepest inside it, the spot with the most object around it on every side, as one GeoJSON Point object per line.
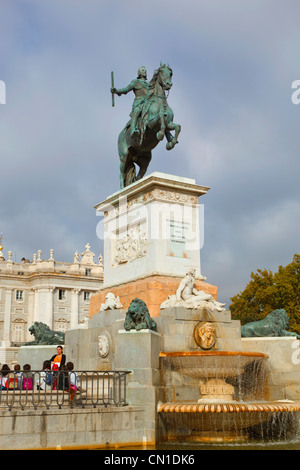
{"type": "Point", "coordinates": [88, 272]}
{"type": "Point", "coordinates": [86, 295]}
{"type": "Point", "coordinates": [19, 295]}
{"type": "Point", "coordinates": [18, 332]}
{"type": "Point", "coordinates": [61, 294]}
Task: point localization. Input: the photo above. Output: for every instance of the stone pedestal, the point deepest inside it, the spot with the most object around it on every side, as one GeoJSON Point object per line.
{"type": "Point", "coordinates": [153, 232]}
{"type": "Point", "coordinates": [138, 351]}
{"type": "Point", "coordinates": [153, 290]}
{"type": "Point", "coordinates": [152, 227]}
{"type": "Point", "coordinates": [216, 390]}
{"type": "Point", "coordinates": [92, 347]}
{"type": "Point", "coordinates": [178, 327]}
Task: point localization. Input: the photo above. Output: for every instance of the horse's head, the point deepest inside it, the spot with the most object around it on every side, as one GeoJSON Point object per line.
{"type": "Point", "coordinates": [163, 76]}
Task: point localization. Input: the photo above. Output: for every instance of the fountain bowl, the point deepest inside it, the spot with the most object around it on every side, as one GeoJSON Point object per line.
{"type": "Point", "coordinates": [227, 422]}
{"type": "Point", "coordinates": [205, 364]}
{"type": "Point", "coordinates": [212, 369]}
{"type": "Point", "coordinates": [222, 413]}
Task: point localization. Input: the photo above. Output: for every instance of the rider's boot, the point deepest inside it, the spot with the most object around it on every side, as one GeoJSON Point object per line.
{"type": "Point", "coordinates": [134, 131]}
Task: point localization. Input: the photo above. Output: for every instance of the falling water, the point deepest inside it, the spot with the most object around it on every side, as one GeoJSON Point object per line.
{"type": "Point", "coordinates": [186, 417]}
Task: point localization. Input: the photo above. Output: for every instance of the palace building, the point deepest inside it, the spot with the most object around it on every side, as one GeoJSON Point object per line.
{"type": "Point", "coordinates": [45, 290]}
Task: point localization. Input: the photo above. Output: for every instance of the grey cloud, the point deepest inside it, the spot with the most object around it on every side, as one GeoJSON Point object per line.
{"type": "Point", "coordinates": [233, 65]}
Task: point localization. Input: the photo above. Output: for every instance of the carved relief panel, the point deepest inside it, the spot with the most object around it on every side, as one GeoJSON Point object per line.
{"type": "Point", "coordinates": [130, 245]}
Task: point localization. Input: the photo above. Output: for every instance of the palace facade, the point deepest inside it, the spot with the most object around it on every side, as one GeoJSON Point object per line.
{"type": "Point", "coordinates": [45, 290]}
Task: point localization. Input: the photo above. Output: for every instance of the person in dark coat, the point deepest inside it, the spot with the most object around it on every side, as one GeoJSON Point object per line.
{"type": "Point", "coordinates": [59, 358]}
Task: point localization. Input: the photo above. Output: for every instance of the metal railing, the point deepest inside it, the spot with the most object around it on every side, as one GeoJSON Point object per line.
{"type": "Point", "coordinates": [55, 389]}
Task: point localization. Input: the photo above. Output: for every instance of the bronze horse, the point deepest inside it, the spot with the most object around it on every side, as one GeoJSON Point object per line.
{"type": "Point", "coordinates": [155, 122]}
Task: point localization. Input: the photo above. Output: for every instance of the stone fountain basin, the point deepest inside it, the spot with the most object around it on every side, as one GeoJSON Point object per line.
{"type": "Point", "coordinates": [217, 416]}
{"type": "Point", "coordinates": [203, 421]}
{"type": "Point", "coordinates": [211, 364]}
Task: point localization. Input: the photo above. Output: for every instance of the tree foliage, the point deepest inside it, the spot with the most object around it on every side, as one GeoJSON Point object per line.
{"type": "Point", "coordinates": [267, 291]}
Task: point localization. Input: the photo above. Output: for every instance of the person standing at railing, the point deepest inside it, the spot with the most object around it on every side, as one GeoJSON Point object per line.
{"type": "Point", "coordinates": [73, 380]}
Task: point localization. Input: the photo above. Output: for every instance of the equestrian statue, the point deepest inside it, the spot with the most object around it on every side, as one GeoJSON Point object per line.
{"type": "Point", "coordinates": [151, 119]}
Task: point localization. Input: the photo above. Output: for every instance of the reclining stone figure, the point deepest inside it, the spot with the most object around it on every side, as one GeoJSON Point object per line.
{"type": "Point", "coordinates": [189, 297]}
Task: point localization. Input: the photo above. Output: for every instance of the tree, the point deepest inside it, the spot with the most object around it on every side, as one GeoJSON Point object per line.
{"type": "Point", "coordinates": [268, 291]}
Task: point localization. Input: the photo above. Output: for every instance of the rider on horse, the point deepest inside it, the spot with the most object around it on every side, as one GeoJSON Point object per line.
{"type": "Point", "coordinates": [151, 121]}
{"type": "Point", "coordinates": [140, 87]}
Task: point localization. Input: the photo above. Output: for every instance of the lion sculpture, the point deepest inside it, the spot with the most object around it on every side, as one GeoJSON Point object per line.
{"type": "Point", "coordinates": [274, 324]}
{"type": "Point", "coordinates": [44, 335]}
{"type": "Point", "coordinates": [138, 317]}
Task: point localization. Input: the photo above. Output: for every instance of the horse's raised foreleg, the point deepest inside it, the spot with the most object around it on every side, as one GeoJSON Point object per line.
{"type": "Point", "coordinates": [161, 133]}
{"type": "Point", "coordinates": [172, 141]}
{"type": "Point", "coordinates": [157, 118]}
{"type": "Point", "coordinates": [169, 136]}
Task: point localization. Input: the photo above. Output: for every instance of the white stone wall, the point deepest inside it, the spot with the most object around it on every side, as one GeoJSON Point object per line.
{"type": "Point", "coordinates": [283, 364]}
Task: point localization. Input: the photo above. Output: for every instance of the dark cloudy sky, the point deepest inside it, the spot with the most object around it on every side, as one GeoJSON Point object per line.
{"type": "Point", "coordinates": [233, 63]}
